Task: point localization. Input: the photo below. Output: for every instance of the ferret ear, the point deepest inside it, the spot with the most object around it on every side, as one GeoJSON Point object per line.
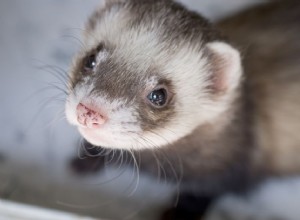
{"type": "Point", "coordinates": [226, 67]}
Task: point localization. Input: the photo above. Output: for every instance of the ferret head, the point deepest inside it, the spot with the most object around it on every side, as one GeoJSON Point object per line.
{"type": "Point", "coordinates": [149, 73]}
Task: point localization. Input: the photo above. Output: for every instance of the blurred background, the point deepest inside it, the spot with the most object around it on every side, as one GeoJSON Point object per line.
{"type": "Point", "coordinates": [37, 41]}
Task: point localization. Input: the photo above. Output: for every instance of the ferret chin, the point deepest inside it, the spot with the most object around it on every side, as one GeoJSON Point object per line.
{"type": "Point", "coordinates": [155, 77]}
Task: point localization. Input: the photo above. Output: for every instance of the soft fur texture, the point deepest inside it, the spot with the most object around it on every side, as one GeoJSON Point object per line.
{"type": "Point", "coordinates": [141, 50]}
{"type": "Point", "coordinates": [223, 128]}
{"type": "Point", "coordinates": [268, 37]}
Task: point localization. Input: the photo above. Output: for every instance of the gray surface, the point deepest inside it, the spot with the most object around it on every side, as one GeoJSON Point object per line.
{"type": "Point", "coordinates": [26, 212]}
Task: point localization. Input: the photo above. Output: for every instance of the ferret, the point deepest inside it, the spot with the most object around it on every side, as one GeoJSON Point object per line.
{"type": "Point", "coordinates": [217, 106]}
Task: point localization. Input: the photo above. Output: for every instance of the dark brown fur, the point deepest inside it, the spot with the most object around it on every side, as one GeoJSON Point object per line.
{"type": "Point", "coordinates": [268, 38]}
{"type": "Point", "coordinates": [262, 137]}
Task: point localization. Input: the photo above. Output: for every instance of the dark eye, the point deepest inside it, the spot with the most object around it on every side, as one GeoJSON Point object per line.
{"type": "Point", "coordinates": [158, 97]}
{"type": "Point", "coordinates": [90, 62]}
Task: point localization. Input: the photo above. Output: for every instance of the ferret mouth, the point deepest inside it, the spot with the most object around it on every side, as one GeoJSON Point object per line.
{"type": "Point", "coordinates": [101, 138]}
{"type": "Point", "coordinates": [94, 137]}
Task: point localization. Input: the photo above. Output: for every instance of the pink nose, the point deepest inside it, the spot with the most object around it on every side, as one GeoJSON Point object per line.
{"type": "Point", "coordinates": [88, 117]}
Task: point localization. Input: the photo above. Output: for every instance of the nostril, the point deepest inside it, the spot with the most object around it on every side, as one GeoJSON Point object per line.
{"type": "Point", "coordinates": [89, 117]}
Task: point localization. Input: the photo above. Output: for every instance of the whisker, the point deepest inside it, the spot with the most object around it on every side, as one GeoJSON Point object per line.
{"type": "Point", "coordinates": [159, 165]}
{"type": "Point", "coordinates": [85, 32]}
{"type": "Point", "coordinates": [178, 179]}
{"type": "Point", "coordinates": [75, 39]}
{"type": "Point", "coordinates": [138, 174]}
{"type": "Point", "coordinates": [56, 71]}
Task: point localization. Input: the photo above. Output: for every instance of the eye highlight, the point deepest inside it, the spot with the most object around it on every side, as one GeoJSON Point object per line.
{"type": "Point", "coordinates": [90, 62]}
{"type": "Point", "coordinates": [158, 97]}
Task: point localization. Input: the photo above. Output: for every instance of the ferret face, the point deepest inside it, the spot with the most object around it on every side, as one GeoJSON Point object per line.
{"type": "Point", "coordinates": [144, 79]}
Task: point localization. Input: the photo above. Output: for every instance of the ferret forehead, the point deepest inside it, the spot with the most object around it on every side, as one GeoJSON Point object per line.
{"type": "Point", "coordinates": [144, 34]}
{"type": "Point", "coordinates": [166, 20]}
